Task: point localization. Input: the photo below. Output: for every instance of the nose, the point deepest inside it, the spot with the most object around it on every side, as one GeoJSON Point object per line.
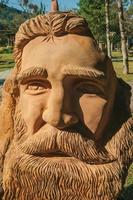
{"type": "Point", "coordinates": [59, 120]}
{"type": "Point", "coordinates": [59, 112]}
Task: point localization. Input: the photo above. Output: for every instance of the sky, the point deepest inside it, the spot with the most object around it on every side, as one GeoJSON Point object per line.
{"type": "Point", "coordinates": [63, 4]}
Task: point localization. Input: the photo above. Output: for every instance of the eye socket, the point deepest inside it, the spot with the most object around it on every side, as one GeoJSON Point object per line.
{"type": "Point", "coordinates": [92, 89]}
{"type": "Point", "coordinates": [36, 87]}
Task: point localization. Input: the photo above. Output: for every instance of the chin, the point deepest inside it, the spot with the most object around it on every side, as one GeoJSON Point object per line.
{"type": "Point", "coordinates": [58, 176]}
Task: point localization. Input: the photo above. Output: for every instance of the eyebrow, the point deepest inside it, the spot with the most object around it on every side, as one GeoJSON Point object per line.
{"type": "Point", "coordinates": [32, 72]}
{"type": "Point", "coordinates": [82, 71]}
{"type": "Point", "coordinates": [79, 71]}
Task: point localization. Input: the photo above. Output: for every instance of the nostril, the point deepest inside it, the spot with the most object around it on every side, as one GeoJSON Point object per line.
{"type": "Point", "coordinates": [54, 123]}
{"type": "Point", "coordinates": [70, 119]}
{"type": "Point", "coordinates": [67, 118]}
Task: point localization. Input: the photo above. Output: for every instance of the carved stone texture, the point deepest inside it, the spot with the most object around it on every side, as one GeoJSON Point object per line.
{"type": "Point", "coordinates": [66, 126]}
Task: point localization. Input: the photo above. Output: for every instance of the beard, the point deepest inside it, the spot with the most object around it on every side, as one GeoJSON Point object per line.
{"type": "Point", "coordinates": [49, 141]}
{"type": "Point", "coordinates": [59, 165]}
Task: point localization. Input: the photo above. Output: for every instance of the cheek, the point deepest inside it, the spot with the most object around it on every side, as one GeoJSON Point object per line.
{"type": "Point", "coordinates": [32, 108]}
{"type": "Point", "coordinates": [91, 111]}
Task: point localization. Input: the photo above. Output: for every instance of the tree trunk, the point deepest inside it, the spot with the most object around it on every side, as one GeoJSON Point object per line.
{"type": "Point", "coordinates": [107, 28]}
{"type": "Point", "coordinates": [123, 37]}
{"type": "Point", "coordinates": [8, 41]}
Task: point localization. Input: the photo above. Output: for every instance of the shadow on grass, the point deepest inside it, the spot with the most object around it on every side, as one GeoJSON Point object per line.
{"type": "Point", "coordinates": [127, 193]}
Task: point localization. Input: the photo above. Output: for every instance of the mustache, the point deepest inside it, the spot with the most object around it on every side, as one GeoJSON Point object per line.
{"type": "Point", "coordinates": [49, 141]}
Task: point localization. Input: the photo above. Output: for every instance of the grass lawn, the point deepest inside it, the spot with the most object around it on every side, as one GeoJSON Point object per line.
{"type": "Point", "coordinates": [6, 57]}
{"type": "Point", "coordinates": [118, 54]}
{"type": "Point", "coordinates": [119, 67]}
{"type": "Point", "coordinates": [129, 181]}
{"type": "Point", "coordinates": [6, 61]}
{"type": "Point", "coordinates": [6, 66]}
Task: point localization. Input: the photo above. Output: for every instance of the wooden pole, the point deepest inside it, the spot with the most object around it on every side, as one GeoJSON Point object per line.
{"type": "Point", "coordinates": [123, 37]}
{"type": "Point", "coordinates": [107, 28]}
{"type": "Point", "coordinates": [54, 5]}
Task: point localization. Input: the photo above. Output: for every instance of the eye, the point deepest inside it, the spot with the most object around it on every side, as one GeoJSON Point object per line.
{"type": "Point", "coordinates": [92, 89]}
{"type": "Point", "coordinates": [36, 87]}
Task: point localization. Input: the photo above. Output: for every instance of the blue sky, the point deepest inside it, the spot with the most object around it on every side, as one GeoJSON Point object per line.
{"type": "Point", "coordinates": [64, 4]}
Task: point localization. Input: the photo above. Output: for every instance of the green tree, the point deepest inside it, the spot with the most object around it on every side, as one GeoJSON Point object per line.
{"type": "Point", "coordinates": [4, 2]}
{"type": "Point", "coordinates": [114, 23]}
{"type": "Point", "coordinates": [94, 12]}
{"type": "Point", "coordinates": [123, 37]}
{"type": "Point", "coordinates": [10, 20]}
{"type": "Point", "coordinates": [35, 9]}
{"type": "Point", "coordinates": [129, 21]}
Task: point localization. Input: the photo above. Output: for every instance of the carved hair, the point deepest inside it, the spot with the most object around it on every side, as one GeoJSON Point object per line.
{"type": "Point", "coordinates": [49, 25]}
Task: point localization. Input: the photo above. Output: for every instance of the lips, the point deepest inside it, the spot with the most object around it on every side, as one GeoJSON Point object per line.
{"type": "Point", "coordinates": [55, 143]}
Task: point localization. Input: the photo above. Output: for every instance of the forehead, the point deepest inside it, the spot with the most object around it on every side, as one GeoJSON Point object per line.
{"type": "Point", "coordinates": [69, 50]}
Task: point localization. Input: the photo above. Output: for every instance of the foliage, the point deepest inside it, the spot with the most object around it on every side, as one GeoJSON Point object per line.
{"type": "Point", "coordinates": [4, 1]}
{"type": "Point", "coordinates": [127, 193]}
{"type": "Point", "coordinates": [30, 7]}
{"type": "Point", "coordinates": [11, 18]}
{"type": "Point", "coordinates": [93, 11]}
{"type": "Point", "coordinates": [128, 15]}
{"type": "Point", "coordinates": [6, 60]}
{"type": "Point", "coordinates": [6, 50]}
{"type": "Point", "coordinates": [114, 23]}
{"type": "Point", "coordinates": [129, 21]}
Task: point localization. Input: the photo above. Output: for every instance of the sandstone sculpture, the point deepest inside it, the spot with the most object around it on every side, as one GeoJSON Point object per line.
{"type": "Point", "coordinates": [65, 127]}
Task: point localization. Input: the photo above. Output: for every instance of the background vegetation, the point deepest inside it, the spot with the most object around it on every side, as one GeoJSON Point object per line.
{"type": "Point", "coordinates": [94, 12]}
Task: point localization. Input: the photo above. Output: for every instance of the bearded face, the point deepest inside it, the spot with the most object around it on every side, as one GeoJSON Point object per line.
{"type": "Point", "coordinates": [63, 101]}
{"type": "Point", "coordinates": [51, 142]}
{"type": "Point", "coordinates": [65, 165]}
{"type": "Point", "coordinates": [62, 112]}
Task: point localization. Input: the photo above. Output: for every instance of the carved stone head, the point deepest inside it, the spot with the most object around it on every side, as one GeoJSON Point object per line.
{"type": "Point", "coordinates": [67, 115]}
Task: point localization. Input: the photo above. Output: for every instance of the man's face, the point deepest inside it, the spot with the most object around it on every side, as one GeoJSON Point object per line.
{"type": "Point", "coordinates": [59, 110]}
{"type": "Point", "coordinates": [57, 85]}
